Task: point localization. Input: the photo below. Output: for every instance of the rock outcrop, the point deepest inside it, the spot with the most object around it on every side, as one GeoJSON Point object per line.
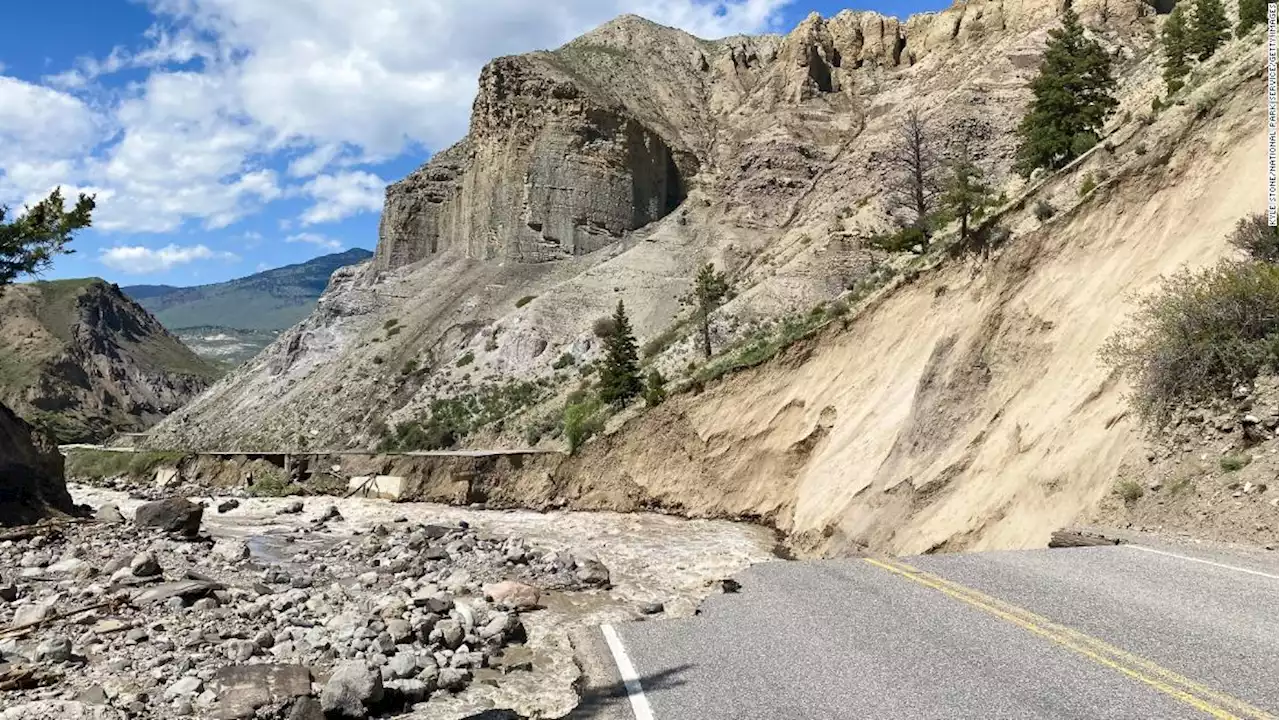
{"type": "Point", "coordinates": [83, 361]}
{"type": "Point", "coordinates": [31, 481]}
{"type": "Point", "coordinates": [550, 169]}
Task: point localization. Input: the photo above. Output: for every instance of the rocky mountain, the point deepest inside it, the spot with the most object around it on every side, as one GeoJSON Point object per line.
{"type": "Point", "coordinates": [82, 361]}
{"type": "Point", "coordinates": [859, 396]}
{"type": "Point", "coordinates": [229, 322]}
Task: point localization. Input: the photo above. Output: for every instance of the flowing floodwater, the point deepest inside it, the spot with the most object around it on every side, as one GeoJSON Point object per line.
{"type": "Point", "coordinates": [651, 558]}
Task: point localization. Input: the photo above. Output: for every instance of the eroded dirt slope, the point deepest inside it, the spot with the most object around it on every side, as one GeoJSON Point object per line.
{"type": "Point", "coordinates": [969, 409]}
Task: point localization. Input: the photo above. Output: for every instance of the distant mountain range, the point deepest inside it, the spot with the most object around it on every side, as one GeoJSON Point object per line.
{"type": "Point", "coordinates": [230, 322]}
{"type": "Point", "coordinates": [271, 300]}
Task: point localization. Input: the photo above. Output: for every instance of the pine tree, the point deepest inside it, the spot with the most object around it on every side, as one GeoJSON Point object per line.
{"type": "Point", "coordinates": [1209, 28]}
{"type": "Point", "coordinates": [1072, 97]}
{"type": "Point", "coordinates": [710, 289]}
{"type": "Point", "coordinates": [966, 196]}
{"type": "Point", "coordinates": [29, 242]}
{"type": "Point", "coordinates": [620, 371]}
{"type": "Point", "coordinates": [1176, 50]}
{"type": "Point", "coordinates": [1252, 12]}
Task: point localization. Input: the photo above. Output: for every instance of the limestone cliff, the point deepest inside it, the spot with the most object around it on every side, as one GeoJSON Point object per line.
{"type": "Point", "coordinates": [83, 361]}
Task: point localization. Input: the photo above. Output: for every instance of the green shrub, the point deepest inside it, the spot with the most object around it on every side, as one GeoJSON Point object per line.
{"type": "Point", "coordinates": [434, 434]}
{"type": "Point", "coordinates": [1129, 490]}
{"type": "Point", "coordinates": [1256, 238]}
{"type": "Point", "coordinates": [466, 359]}
{"type": "Point", "coordinates": [764, 345]}
{"type": "Point", "coordinates": [582, 420]}
{"type": "Point", "coordinates": [655, 388]}
{"type": "Point", "coordinates": [903, 240]}
{"type": "Point", "coordinates": [1140, 150]}
{"type": "Point", "coordinates": [98, 464]}
{"type": "Point", "coordinates": [491, 345]}
{"type": "Point", "coordinates": [603, 327]}
{"type": "Point", "coordinates": [390, 323]}
{"type": "Point", "coordinates": [410, 367]}
{"type": "Point", "coordinates": [540, 428]}
{"type": "Point", "coordinates": [1198, 336]}
{"type": "Point", "coordinates": [272, 484]}
{"type": "Point", "coordinates": [451, 419]}
{"type": "Point", "coordinates": [1232, 463]}
{"type": "Point", "coordinates": [393, 331]}
{"type": "Point", "coordinates": [525, 300]}
{"type": "Point", "coordinates": [1043, 210]}
{"type": "Point", "coordinates": [377, 360]}
{"type": "Point", "coordinates": [564, 361]}
{"type": "Point", "coordinates": [1157, 105]}
{"type": "Point", "coordinates": [1088, 184]}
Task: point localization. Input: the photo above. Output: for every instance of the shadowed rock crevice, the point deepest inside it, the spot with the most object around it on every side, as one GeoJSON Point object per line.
{"type": "Point", "coordinates": [31, 483]}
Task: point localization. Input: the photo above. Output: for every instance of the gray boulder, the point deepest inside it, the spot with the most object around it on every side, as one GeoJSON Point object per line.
{"type": "Point", "coordinates": [109, 513]}
{"type": "Point", "coordinates": [451, 633]}
{"type": "Point", "coordinates": [54, 649]}
{"type": "Point", "coordinates": [453, 679]}
{"type": "Point", "coordinates": [592, 572]}
{"type": "Point", "coordinates": [175, 515]}
{"type": "Point", "coordinates": [246, 688]}
{"type": "Point", "coordinates": [352, 690]}
{"type": "Point", "coordinates": [144, 564]}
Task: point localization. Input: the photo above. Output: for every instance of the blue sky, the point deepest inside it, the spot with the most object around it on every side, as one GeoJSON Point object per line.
{"type": "Point", "coordinates": [222, 137]}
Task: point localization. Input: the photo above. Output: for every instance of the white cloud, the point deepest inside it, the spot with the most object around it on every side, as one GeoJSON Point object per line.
{"type": "Point", "coordinates": [41, 122]}
{"type": "Point", "coordinates": [342, 195]}
{"type": "Point", "coordinates": [185, 153]}
{"type": "Point", "coordinates": [382, 73]}
{"type": "Point", "coordinates": [316, 239]}
{"type": "Point", "coordinates": [44, 136]}
{"type": "Point", "coordinates": [313, 162]}
{"type": "Point", "coordinates": [238, 92]}
{"type": "Point", "coordinates": [140, 260]}
{"type": "Point", "coordinates": [164, 47]}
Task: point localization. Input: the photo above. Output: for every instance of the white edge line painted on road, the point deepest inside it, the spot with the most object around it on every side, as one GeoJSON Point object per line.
{"type": "Point", "coordinates": [1202, 561]}
{"type": "Point", "coordinates": [635, 693]}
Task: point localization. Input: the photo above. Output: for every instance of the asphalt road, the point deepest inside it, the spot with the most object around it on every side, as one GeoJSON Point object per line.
{"type": "Point", "coordinates": [1107, 632]}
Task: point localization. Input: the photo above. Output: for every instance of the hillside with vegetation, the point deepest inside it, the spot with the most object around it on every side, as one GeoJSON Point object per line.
{"type": "Point", "coordinates": [83, 362]}
{"type": "Point", "coordinates": [872, 282]}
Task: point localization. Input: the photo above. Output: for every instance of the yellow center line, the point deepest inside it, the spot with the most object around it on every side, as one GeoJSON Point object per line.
{"type": "Point", "coordinates": [1184, 689]}
{"type": "Point", "coordinates": [1099, 646]}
